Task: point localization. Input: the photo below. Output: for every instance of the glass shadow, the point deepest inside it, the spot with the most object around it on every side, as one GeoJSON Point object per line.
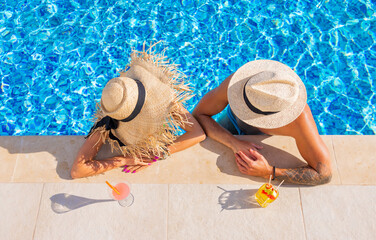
{"type": "Point", "coordinates": [238, 199]}
{"type": "Point", "coordinates": [64, 202]}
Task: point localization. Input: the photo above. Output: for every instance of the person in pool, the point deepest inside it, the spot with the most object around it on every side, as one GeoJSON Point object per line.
{"type": "Point", "coordinates": [268, 97]}
{"type": "Point", "coordinates": [139, 114]}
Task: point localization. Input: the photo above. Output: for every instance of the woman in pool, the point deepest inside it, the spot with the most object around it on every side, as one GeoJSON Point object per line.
{"type": "Point", "coordinates": [139, 114]}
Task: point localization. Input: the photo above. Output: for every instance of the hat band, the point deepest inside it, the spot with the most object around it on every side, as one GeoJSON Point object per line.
{"type": "Point", "coordinates": [111, 123]}
{"type": "Point", "coordinates": [252, 107]}
{"type": "Point", "coordinates": [139, 104]}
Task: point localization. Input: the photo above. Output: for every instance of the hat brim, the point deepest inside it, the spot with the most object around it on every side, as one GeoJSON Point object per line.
{"type": "Point", "coordinates": [240, 108]}
{"type": "Point", "coordinates": [156, 126]}
{"type": "Point", "coordinates": [154, 112]}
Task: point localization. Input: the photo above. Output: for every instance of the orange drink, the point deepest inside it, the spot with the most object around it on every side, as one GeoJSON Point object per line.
{"type": "Point", "coordinates": [266, 194]}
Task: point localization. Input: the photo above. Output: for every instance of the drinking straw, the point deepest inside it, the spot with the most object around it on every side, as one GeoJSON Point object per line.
{"type": "Point", "coordinates": [113, 188]}
{"type": "Point", "coordinates": [280, 184]}
{"type": "Point", "coordinates": [270, 178]}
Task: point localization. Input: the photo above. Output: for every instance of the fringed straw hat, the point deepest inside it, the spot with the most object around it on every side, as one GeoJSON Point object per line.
{"type": "Point", "coordinates": [266, 94]}
{"type": "Point", "coordinates": [139, 112]}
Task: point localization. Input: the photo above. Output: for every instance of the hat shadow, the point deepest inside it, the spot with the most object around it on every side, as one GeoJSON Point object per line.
{"type": "Point", "coordinates": [275, 156]}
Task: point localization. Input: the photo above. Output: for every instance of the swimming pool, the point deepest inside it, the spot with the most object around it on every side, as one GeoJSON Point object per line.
{"type": "Point", "coordinates": [56, 56]}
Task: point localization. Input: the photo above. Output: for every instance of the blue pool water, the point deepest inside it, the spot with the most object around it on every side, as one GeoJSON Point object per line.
{"type": "Point", "coordinates": [56, 55]}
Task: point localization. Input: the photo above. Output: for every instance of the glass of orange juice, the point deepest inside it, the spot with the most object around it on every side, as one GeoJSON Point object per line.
{"type": "Point", "coordinates": [266, 194]}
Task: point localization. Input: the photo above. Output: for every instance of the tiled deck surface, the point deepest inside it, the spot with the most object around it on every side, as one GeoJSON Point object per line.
{"type": "Point", "coordinates": [194, 194]}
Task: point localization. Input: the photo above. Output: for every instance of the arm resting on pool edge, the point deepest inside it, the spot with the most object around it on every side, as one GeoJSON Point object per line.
{"type": "Point", "coordinates": [85, 165]}
{"type": "Point", "coordinates": [311, 147]}
{"type": "Point", "coordinates": [259, 166]}
{"type": "Point", "coordinates": [211, 104]}
{"type": "Point", "coordinates": [193, 133]}
{"type": "Point", "coordinates": [305, 175]}
{"type": "Point", "coordinates": [313, 150]}
{"type": "Point", "coordinates": [317, 172]}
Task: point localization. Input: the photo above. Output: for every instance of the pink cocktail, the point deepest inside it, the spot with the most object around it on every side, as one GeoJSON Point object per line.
{"type": "Point", "coordinates": [125, 198]}
{"type": "Point", "coordinates": [123, 189]}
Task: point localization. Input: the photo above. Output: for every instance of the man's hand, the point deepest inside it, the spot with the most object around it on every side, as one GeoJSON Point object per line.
{"type": "Point", "coordinates": [245, 147]}
{"type": "Point", "coordinates": [255, 165]}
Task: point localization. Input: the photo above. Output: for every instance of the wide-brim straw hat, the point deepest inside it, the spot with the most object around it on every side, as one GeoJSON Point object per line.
{"type": "Point", "coordinates": [145, 101]}
{"type": "Point", "coordinates": [266, 94]}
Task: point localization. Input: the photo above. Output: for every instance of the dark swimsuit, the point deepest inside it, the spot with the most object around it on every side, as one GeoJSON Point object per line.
{"type": "Point", "coordinates": [241, 127]}
{"type": "Point", "coordinates": [232, 118]}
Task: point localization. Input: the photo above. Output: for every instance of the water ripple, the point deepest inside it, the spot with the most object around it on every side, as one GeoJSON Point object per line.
{"type": "Point", "coordinates": [56, 56]}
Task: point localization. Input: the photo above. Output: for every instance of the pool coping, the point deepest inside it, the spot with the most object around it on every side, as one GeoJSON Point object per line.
{"type": "Point", "coordinates": [195, 194]}
{"type": "Point", "coordinates": [49, 158]}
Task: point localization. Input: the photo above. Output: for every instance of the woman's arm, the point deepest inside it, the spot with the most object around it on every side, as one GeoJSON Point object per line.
{"type": "Point", "coordinates": [85, 165]}
{"type": "Point", "coordinates": [194, 133]}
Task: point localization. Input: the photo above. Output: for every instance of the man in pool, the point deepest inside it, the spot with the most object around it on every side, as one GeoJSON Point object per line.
{"type": "Point", "coordinates": [268, 97]}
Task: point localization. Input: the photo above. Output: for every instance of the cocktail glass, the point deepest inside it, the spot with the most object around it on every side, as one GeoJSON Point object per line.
{"type": "Point", "coordinates": [125, 198]}
{"type": "Point", "coordinates": [266, 194]}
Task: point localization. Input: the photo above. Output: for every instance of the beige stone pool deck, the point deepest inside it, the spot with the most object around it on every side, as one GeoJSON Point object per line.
{"type": "Point", "coordinates": [195, 194]}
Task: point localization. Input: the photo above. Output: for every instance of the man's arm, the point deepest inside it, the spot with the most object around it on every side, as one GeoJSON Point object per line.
{"type": "Point", "coordinates": [310, 146]}
{"type": "Point", "coordinates": [312, 149]}
{"type": "Point", "coordinates": [305, 175]}
{"type": "Point", "coordinates": [258, 166]}
{"type": "Point", "coordinates": [212, 103]}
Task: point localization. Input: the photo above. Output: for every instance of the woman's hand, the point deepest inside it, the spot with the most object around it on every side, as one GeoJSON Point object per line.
{"type": "Point", "coordinates": [132, 165]}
